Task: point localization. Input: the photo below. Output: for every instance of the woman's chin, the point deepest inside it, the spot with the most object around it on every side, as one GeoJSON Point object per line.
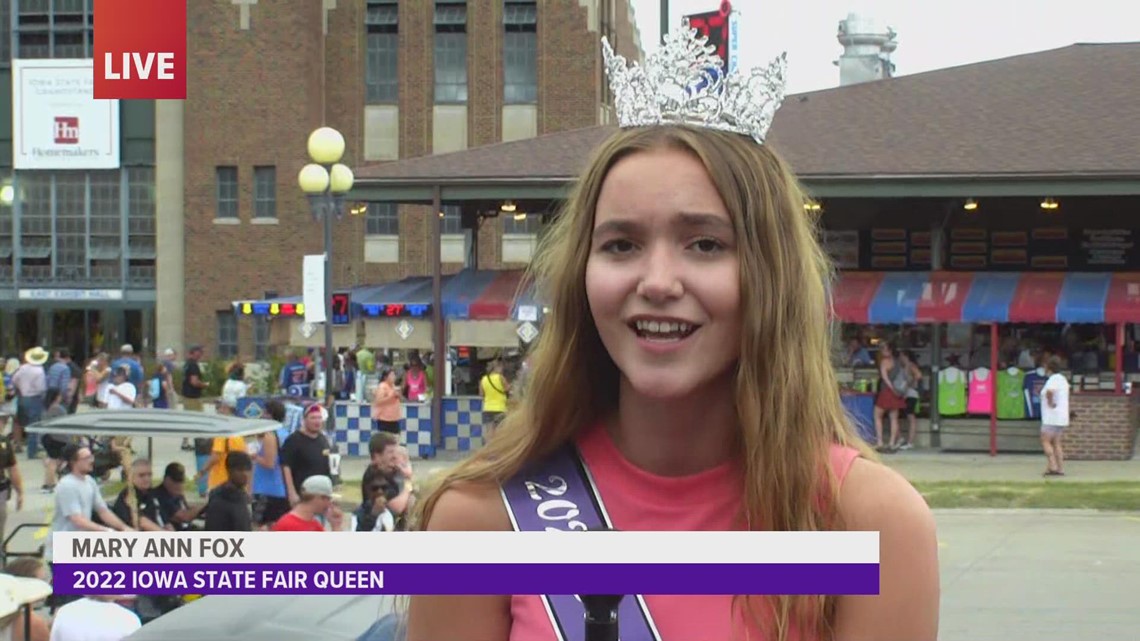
{"type": "Point", "coordinates": [661, 387]}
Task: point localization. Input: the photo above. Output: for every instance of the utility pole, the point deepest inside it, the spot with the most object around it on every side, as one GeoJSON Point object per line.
{"type": "Point", "coordinates": [664, 20]}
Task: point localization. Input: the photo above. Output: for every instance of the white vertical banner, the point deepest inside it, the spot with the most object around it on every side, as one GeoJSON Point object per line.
{"type": "Point", "coordinates": [313, 283]}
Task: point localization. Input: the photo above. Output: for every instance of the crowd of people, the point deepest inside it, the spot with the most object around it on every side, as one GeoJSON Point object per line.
{"type": "Point", "coordinates": [284, 479]}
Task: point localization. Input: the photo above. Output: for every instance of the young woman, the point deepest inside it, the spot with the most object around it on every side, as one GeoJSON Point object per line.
{"type": "Point", "coordinates": [891, 399]}
{"type": "Point", "coordinates": [687, 357]}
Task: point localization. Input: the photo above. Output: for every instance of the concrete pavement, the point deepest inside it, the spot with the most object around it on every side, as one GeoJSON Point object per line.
{"type": "Point", "coordinates": [1039, 574]}
{"type": "Point", "coordinates": [1006, 574]}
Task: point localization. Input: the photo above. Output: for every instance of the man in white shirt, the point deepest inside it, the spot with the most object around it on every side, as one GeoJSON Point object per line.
{"type": "Point", "coordinates": [77, 500]}
{"type": "Point", "coordinates": [122, 393]}
{"type": "Point", "coordinates": [1054, 416]}
{"type": "Point", "coordinates": [94, 618]}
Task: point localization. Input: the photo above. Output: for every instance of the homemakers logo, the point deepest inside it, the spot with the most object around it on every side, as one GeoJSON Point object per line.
{"type": "Point", "coordinates": [66, 130]}
{"type": "Point", "coordinates": [140, 49]}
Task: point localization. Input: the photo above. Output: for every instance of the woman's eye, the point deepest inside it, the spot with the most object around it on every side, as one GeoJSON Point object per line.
{"type": "Point", "coordinates": [617, 246]}
{"type": "Point", "coordinates": [707, 245]}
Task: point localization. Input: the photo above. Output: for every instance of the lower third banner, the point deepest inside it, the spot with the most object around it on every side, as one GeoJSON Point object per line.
{"type": "Point", "coordinates": [466, 578]}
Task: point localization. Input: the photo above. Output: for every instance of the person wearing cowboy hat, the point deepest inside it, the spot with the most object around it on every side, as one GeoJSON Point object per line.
{"type": "Point", "coordinates": [30, 381]}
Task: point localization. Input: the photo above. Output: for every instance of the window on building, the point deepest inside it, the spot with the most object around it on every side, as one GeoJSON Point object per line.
{"type": "Point", "coordinates": [606, 19]}
{"type": "Point", "coordinates": [265, 192]}
{"type": "Point", "coordinates": [70, 249]}
{"type": "Point", "coordinates": [105, 247]}
{"type": "Point", "coordinates": [260, 338]}
{"type": "Point", "coordinates": [531, 224]}
{"type": "Point", "coordinates": [5, 34]}
{"type": "Point", "coordinates": [227, 334]}
{"type": "Point", "coordinates": [7, 234]}
{"type": "Point", "coordinates": [451, 52]}
{"type": "Point", "coordinates": [381, 68]}
{"type": "Point", "coordinates": [52, 28]}
{"type": "Point", "coordinates": [36, 228]}
{"type": "Point", "coordinates": [142, 250]}
{"type": "Point", "coordinates": [452, 222]}
{"type": "Point", "coordinates": [382, 219]}
{"type": "Point", "coordinates": [520, 52]}
{"type": "Point", "coordinates": [227, 196]}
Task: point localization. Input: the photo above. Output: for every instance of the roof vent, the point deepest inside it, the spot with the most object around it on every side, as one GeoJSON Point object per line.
{"type": "Point", "coordinates": [867, 50]}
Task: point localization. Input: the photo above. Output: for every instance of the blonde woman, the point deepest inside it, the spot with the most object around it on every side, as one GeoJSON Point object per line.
{"type": "Point", "coordinates": [686, 359]}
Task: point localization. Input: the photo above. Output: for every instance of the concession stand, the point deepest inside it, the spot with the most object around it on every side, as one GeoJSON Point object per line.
{"type": "Point", "coordinates": [486, 313]}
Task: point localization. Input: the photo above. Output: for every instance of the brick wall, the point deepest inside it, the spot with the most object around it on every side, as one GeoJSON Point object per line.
{"type": "Point", "coordinates": [254, 95]}
{"type": "Point", "coordinates": [243, 111]}
{"type": "Point", "coordinates": [1103, 427]}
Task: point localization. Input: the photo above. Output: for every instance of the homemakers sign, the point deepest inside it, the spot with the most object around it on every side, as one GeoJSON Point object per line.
{"type": "Point", "coordinates": [56, 121]}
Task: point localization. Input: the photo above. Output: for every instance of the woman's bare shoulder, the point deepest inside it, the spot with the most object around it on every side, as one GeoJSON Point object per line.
{"type": "Point", "coordinates": [874, 495]}
{"type": "Point", "coordinates": [463, 507]}
{"type": "Point", "coordinates": [470, 506]}
{"type": "Point", "coordinates": [876, 498]}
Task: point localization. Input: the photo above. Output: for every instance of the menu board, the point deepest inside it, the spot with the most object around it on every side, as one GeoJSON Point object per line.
{"type": "Point", "coordinates": [842, 245]}
{"type": "Point", "coordinates": [889, 249]}
{"type": "Point", "coordinates": [1107, 249]}
{"type": "Point", "coordinates": [969, 249]}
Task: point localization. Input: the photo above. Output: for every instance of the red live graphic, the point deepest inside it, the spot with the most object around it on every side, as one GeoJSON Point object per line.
{"type": "Point", "coordinates": [140, 49]}
{"type": "Point", "coordinates": [66, 130]}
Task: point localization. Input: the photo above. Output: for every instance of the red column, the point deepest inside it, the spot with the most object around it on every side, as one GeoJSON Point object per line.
{"type": "Point", "coordinates": [1120, 358]}
{"type": "Point", "coordinates": [993, 382]}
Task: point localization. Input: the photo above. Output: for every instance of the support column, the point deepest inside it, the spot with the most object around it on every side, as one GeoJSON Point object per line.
{"type": "Point", "coordinates": [935, 344]}
{"type": "Point", "coordinates": [439, 323]}
{"type": "Point", "coordinates": [170, 238]}
{"type": "Point", "coordinates": [1120, 358]}
{"type": "Point", "coordinates": [993, 383]}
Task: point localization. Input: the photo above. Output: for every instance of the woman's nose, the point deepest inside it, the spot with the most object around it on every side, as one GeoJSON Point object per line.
{"type": "Point", "coordinates": [660, 279]}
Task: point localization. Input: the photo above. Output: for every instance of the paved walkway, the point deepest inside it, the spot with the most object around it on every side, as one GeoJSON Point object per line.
{"type": "Point", "coordinates": [937, 466]}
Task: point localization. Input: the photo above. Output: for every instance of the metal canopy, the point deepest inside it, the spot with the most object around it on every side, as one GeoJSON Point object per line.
{"type": "Point", "coordinates": [153, 423]}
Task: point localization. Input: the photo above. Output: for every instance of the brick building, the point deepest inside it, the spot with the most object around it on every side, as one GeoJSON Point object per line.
{"type": "Point", "coordinates": [399, 80]}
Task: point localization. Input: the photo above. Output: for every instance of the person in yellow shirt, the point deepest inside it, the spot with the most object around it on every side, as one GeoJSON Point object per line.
{"type": "Point", "coordinates": [220, 449]}
{"type": "Point", "coordinates": [493, 388]}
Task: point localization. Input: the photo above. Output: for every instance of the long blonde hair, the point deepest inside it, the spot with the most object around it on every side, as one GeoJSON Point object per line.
{"type": "Point", "coordinates": [786, 391]}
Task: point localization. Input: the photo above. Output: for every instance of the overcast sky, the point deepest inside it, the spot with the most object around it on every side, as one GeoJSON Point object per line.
{"type": "Point", "coordinates": [932, 34]}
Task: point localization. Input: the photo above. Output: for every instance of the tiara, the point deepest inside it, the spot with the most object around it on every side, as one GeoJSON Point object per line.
{"type": "Point", "coordinates": [684, 82]}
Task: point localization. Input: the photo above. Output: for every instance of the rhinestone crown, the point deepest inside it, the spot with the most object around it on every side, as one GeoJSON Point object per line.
{"type": "Point", "coordinates": [685, 82]}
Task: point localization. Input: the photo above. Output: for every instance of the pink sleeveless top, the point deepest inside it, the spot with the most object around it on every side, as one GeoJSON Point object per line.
{"type": "Point", "coordinates": [639, 501]}
{"type": "Point", "coordinates": [981, 391]}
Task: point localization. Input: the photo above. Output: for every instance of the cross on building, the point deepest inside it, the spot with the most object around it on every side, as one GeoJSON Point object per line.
{"type": "Point", "coordinates": [243, 15]}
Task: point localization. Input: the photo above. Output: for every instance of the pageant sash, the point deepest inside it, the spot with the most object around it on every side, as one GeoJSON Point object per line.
{"type": "Point", "coordinates": [557, 495]}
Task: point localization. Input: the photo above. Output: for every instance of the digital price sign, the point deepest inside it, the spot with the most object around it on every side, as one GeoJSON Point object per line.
{"type": "Point", "coordinates": [341, 308]}
{"type": "Point", "coordinates": [396, 310]}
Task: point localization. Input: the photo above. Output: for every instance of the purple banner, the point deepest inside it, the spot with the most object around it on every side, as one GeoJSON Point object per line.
{"type": "Point", "coordinates": [487, 578]}
{"type": "Point", "coordinates": [558, 495]}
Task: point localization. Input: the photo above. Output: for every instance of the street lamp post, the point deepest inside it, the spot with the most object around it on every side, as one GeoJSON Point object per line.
{"type": "Point", "coordinates": [325, 182]}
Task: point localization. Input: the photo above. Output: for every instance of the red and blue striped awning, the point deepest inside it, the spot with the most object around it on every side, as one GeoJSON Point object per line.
{"type": "Point", "coordinates": [987, 297]}
{"type": "Point", "coordinates": [467, 295]}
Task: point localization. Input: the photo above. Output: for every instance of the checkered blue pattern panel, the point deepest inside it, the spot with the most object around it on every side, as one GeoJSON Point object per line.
{"type": "Point", "coordinates": [354, 429]}
{"type": "Point", "coordinates": [462, 424]}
